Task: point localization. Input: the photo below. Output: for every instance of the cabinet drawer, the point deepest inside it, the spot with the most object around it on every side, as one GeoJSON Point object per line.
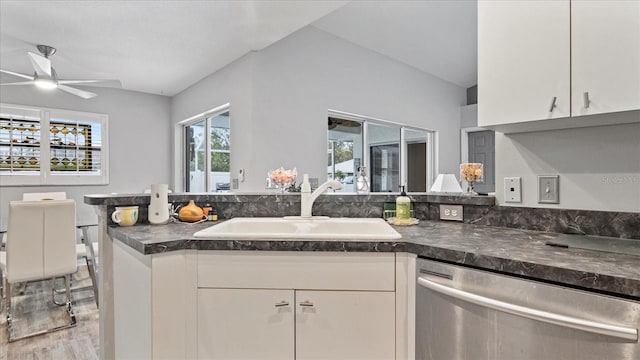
{"type": "Point", "coordinates": [297, 270]}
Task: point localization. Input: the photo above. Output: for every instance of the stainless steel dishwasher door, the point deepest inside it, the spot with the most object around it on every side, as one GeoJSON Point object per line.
{"type": "Point", "coordinates": [467, 314]}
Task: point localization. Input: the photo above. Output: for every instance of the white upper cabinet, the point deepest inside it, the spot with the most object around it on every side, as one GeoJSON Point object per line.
{"type": "Point", "coordinates": [548, 60]}
{"type": "Point", "coordinates": [605, 63]}
{"type": "Point", "coordinates": [523, 61]}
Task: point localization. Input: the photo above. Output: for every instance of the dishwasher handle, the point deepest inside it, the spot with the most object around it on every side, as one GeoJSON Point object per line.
{"type": "Point", "coordinates": [621, 332]}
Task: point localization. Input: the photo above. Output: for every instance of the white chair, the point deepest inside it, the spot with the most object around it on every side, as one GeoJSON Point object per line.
{"type": "Point", "coordinates": [41, 245]}
{"type": "Point", "coordinates": [44, 196]}
{"type": "Point", "coordinates": [38, 196]}
{"type": "Point", "coordinates": [82, 250]}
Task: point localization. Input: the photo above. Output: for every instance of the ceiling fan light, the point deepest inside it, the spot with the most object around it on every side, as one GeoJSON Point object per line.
{"type": "Point", "coordinates": [46, 84]}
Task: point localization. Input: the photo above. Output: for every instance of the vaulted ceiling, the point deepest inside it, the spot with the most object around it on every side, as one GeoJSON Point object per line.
{"type": "Point", "coordinates": [162, 47]}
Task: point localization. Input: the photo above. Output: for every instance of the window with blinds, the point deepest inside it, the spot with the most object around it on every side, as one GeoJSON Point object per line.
{"type": "Point", "coordinates": [50, 146]}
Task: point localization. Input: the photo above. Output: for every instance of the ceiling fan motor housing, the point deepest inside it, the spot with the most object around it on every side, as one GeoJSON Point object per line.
{"type": "Point", "coordinates": [46, 50]}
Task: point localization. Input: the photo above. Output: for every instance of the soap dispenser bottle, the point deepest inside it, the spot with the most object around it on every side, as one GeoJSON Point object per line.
{"type": "Point", "coordinates": [362, 182]}
{"type": "Point", "coordinates": [403, 205]}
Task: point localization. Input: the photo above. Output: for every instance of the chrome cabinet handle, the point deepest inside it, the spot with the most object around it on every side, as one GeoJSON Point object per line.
{"type": "Point", "coordinates": [306, 303]}
{"type": "Point", "coordinates": [621, 332]}
{"type": "Point", "coordinates": [587, 102]}
{"type": "Point", "coordinates": [282, 303]}
{"type": "Point", "coordinates": [553, 104]}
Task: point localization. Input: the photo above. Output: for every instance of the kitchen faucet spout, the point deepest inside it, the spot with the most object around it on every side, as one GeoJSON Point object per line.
{"type": "Point", "coordinates": [307, 197]}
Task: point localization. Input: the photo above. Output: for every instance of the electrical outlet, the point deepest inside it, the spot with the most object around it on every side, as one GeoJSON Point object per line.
{"type": "Point", "coordinates": [451, 212]}
{"type": "Point", "coordinates": [549, 189]}
{"type": "Point", "coordinates": [512, 190]}
{"type": "Point", "coordinates": [234, 183]}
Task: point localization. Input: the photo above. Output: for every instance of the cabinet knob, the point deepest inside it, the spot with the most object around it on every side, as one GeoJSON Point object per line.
{"type": "Point", "coordinates": [306, 303]}
{"type": "Point", "coordinates": [282, 303]}
{"type": "Point", "coordinates": [587, 102]}
{"type": "Point", "coordinates": [553, 104]}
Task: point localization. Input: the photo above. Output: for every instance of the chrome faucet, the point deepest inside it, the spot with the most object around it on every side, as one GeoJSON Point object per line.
{"type": "Point", "coordinates": [307, 199]}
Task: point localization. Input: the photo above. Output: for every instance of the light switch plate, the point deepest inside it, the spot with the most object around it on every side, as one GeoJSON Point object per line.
{"type": "Point", "coordinates": [512, 190]}
{"type": "Point", "coordinates": [548, 189]}
{"type": "Point", "coordinates": [451, 212]}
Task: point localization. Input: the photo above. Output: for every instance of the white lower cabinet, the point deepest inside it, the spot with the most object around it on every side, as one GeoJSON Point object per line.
{"type": "Point", "coordinates": [196, 304]}
{"type": "Point", "coordinates": [296, 306]}
{"type": "Point", "coordinates": [345, 325]}
{"type": "Point", "coordinates": [288, 324]}
{"type": "Point", "coordinates": [245, 324]}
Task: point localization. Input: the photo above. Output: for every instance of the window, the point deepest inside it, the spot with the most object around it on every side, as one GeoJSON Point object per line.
{"type": "Point", "coordinates": [207, 152]}
{"type": "Point", "coordinates": [344, 151]}
{"type": "Point", "coordinates": [52, 147]}
{"type": "Point", "coordinates": [393, 154]}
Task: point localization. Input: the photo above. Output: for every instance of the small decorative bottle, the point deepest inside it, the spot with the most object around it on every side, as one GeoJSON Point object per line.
{"type": "Point", "coordinates": [362, 181]}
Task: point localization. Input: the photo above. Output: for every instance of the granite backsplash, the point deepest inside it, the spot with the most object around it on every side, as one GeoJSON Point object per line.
{"type": "Point", "coordinates": [479, 210]}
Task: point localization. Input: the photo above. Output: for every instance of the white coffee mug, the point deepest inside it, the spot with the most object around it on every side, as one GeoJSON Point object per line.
{"type": "Point", "coordinates": [125, 215]}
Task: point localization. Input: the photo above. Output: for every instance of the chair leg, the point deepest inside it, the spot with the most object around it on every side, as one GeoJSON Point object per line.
{"type": "Point", "coordinates": [53, 293]}
{"type": "Point", "coordinates": [8, 304]}
{"type": "Point", "coordinates": [2, 286]}
{"type": "Point", "coordinates": [1, 292]}
{"type": "Point", "coordinates": [92, 275]}
{"type": "Point", "coordinates": [72, 316]}
{"type": "Point", "coordinates": [93, 286]}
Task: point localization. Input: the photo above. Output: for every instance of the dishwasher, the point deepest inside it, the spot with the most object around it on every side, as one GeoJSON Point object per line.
{"type": "Point", "coordinates": [469, 314]}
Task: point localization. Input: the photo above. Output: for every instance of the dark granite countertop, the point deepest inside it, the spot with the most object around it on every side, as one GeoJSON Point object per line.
{"type": "Point", "coordinates": [509, 251]}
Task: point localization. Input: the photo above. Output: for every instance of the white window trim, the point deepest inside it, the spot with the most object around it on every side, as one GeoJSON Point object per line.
{"type": "Point", "coordinates": [432, 145]}
{"type": "Point", "coordinates": [180, 172]}
{"type": "Point", "coordinates": [44, 175]}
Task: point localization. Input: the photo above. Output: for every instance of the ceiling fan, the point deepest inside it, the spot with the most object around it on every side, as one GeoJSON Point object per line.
{"type": "Point", "coordinates": [45, 76]}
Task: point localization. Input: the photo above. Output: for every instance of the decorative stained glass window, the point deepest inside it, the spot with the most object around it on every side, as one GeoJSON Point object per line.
{"type": "Point", "coordinates": [49, 146]}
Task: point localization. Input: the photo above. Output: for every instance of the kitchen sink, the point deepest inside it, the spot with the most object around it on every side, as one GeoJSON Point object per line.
{"type": "Point", "coordinates": [316, 228]}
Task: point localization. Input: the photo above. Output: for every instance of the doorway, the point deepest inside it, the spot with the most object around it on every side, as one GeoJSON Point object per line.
{"type": "Point", "coordinates": [481, 145]}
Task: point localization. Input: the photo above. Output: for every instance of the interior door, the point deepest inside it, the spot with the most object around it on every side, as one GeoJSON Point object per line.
{"type": "Point", "coordinates": [245, 324]}
{"type": "Point", "coordinates": [345, 325]}
{"type": "Point", "coordinates": [482, 150]}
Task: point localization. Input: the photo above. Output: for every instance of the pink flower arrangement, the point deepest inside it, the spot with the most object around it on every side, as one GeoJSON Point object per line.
{"type": "Point", "coordinates": [282, 176]}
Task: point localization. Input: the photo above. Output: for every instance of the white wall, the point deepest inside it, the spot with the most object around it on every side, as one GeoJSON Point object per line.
{"type": "Point", "coordinates": [140, 145]}
{"type": "Point", "coordinates": [599, 167]}
{"type": "Point", "coordinates": [233, 84]}
{"type": "Point", "coordinates": [288, 88]}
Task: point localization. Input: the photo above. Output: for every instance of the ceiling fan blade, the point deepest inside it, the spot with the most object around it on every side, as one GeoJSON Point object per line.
{"type": "Point", "coordinates": [40, 64]}
{"type": "Point", "coordinates": [24, 76]}
{"type": "Point", "coordinates": [100, 83]}
{"type": "Point", "coordinates": [19, 83]}
{"type": "Point", "coordinates": [83, 94]}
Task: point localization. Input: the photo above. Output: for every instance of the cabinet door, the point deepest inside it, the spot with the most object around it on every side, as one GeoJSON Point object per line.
{"type": "Point", "coordinates": [523, 61]}
{"type": "Point", "coordinates": [345, 325]}
{"type": "Point", "coordinates": [245, 324]}
{"type": "Point", "coordinates": [605, 44]}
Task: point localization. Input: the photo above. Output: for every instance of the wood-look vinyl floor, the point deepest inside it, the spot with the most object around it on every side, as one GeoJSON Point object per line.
{"type": "Point", "coordinates": [34, 311]}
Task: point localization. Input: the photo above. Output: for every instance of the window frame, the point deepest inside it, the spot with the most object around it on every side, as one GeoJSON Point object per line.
{"type": "Point", "coordinates": [45, 176]}
{"type": "Point", "coordinates": [431, 139]}
{"type": "Point", "coordinates": [206, 117]}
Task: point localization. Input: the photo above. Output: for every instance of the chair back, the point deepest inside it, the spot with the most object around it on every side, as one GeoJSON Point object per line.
{"type": "Point", "coordinates": [44, 196]}
{"type": "Point", "coordinates": [41, 239]}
